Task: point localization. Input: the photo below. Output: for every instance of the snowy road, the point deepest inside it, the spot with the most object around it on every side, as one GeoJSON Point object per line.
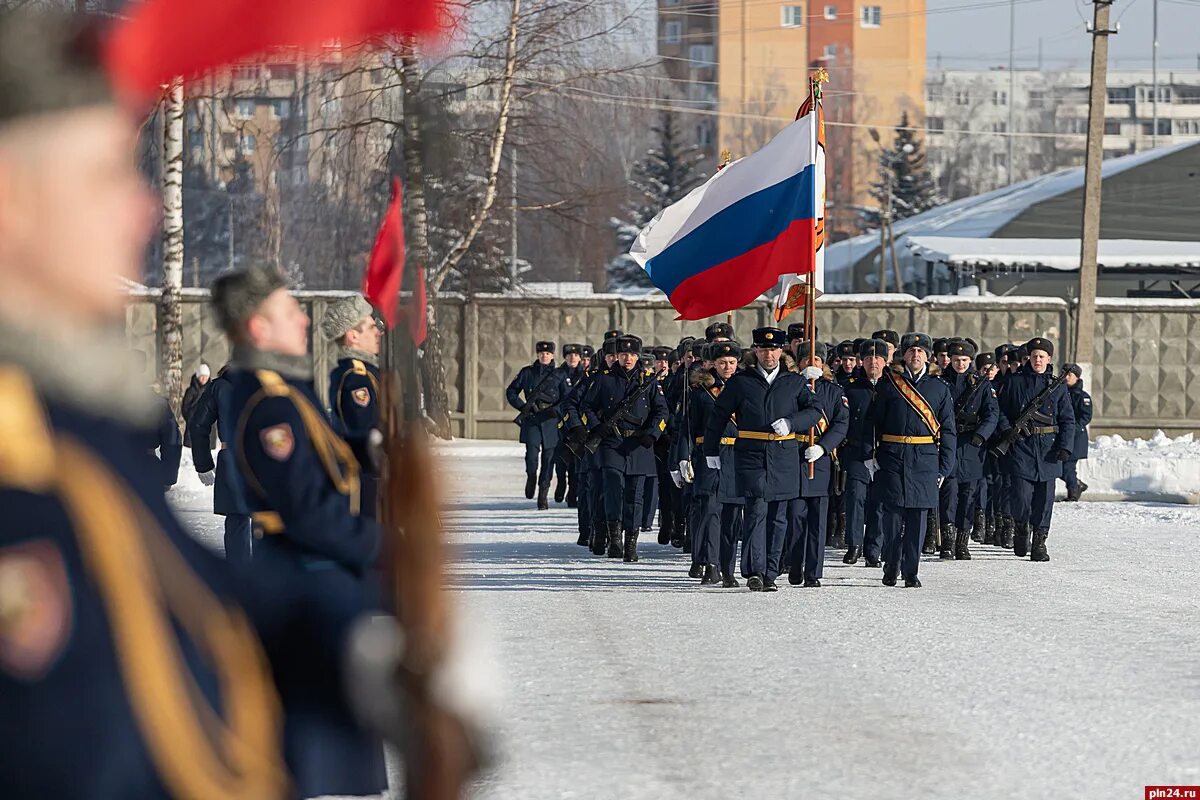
{"type": "Point", "coordinates": [1000, 679]}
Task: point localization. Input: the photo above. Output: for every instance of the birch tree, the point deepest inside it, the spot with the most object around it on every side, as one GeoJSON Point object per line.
{"type": "Point", "coordinates": [170, 313]}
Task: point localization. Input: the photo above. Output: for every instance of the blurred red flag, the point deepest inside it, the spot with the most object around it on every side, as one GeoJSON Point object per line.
{"type": "Point", "coordinates": [163, 39]}
{"type": "Point", "coordinates": [385, 272]}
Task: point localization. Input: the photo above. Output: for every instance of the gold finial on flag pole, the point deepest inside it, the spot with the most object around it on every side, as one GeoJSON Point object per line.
{"type": "Point", "coordinates": [726, 157]}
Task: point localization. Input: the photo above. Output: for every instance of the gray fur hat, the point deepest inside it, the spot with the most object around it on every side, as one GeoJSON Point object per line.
{"type": "Point", "coordinates": [342, 315]}
{"type": "Point", "coordinates": [49, 61]}
{"type": "Point", "coordinates": [235, 295]}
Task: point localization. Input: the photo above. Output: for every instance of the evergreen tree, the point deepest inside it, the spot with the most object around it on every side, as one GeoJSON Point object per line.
{"type": "Point", "coordinates": [665, 175]}
{"type": "Point", "coordinates": [904, 175]}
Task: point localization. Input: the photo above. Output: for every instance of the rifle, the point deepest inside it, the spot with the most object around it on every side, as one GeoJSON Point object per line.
{"type": "Point", "coordinates": [1020, 426]}
{"type": "Point", "coordinates": [591, 442]}
{"type": "Point", "coordinates": [962, 421]}
{"type": "Point", "coordinates": [536, 398]}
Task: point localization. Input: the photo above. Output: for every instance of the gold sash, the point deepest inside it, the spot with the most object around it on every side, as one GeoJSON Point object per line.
{"type": "Point", "coordinates": [915, 400]}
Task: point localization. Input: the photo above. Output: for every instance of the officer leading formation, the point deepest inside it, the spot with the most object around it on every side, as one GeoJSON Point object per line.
{"type": "Point", "coordinates": [886, 447]}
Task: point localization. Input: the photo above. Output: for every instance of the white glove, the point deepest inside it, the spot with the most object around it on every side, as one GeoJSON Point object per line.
{"type": "Point", "coordinates": [812, 373]}
{"type": "Point", "coordinates": [811, 454]}
{"type": "Point", "coordinates": [872, 467]}
{"type": "Point", "coordinates": [781, 427]}
{"type": "Point", "coordinates": [941, 480]}
{"type": "Point", "coordinates": [712, 462]}
{"type": "Point", "coordinates": [685, 469]}
{"type": "Point", "coordinates": [677, 479]}
{"type": "Point", "coordinates": [208, 478]}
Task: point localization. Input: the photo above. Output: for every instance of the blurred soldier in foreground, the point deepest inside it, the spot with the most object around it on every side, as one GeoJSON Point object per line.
{"type": "Point", "coordinates": [134, 663]}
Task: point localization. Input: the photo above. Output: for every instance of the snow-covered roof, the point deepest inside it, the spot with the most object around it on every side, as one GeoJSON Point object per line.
{"type": "Point", "coordinates": [982, 215]}
{"type": "Point", "coordinates": [1058, 254]}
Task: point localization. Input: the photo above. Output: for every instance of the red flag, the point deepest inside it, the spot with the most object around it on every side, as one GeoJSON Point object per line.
{"type": "Point", "coordinates": [414, 311]}
{"type": "Point", "coordinates": [162, 39]}
{"type": "Point", "coordinates": [385, 270]}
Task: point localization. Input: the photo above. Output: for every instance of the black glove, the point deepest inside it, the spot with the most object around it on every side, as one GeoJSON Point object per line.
{"type": "Point", "coordinates": [646, 440]}
{"type": "Point", "coordinates": [976, 440]}
{"type": "Point", "coordinates": [1063, 455]}
{"type": "Point", "coordinates": [577, 434]}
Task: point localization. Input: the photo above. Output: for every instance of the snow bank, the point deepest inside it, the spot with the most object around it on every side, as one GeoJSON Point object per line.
{"type": "Point", "coordinates": [478, 448]}
{"type": "Point", "coordinates": [1160, 468]}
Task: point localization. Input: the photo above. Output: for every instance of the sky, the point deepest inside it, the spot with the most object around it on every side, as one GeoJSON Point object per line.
{"type": "Point", "coordinates": [978, 37]}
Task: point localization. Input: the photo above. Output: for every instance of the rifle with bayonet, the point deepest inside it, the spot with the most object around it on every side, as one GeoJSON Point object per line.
{"type": "Point", "coordinates": [611, 426]}
{"type": "Point", "coordinates": [537, 401]}
{"type": "Point", "coordinates": [1028, 417]}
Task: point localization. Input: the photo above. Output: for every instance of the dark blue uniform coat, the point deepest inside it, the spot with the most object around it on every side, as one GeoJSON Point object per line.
{"type": "Point", "coordinates": [623, 451]}
{"type": "Point", "coordinates": [553, 387]}
{"type": "Point", "coordinates": [1081, 407]}
{"type": "Point", "coordinates": [831, 431]}
{"type": "Point", "coordinates": [1034, 458]}
{"type": "Point", "coordinates": [979, 417]}
{"type": "Point", "coordinates": [908, 473]}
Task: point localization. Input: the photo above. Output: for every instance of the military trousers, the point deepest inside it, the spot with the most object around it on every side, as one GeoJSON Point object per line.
{"type": "Point", "coordinates": [1071, 473]}
{"type": "Point", "coordinates": [539, 453]}
{"type": "Point", "coordinates": [583, 494]}
{"type": "Point", "coordinates": [903, 534]}
{"type": "Point", "coordinates": [622, 497]}
{"type": "Point", "coordinates": [809, 519]}
{"type": "Point", "coordinates": [732, 529]}
{"type": "Point", "coordinates": [649, 500]}
{"type": "Point", "coordinates": [766, 524]}
{"type": "Point", "coordinates": [237, 538]}
{"type": "Point", "coordinates": [706, 528]}
{"type": "Point", "coordinates": [565, 473]}
{"type": "Point", "coordinates": [957, 500]}
{"type": "Point", "coordinates": [1031, 501]}
{"type": "Point", "coordinates": [864, 517]}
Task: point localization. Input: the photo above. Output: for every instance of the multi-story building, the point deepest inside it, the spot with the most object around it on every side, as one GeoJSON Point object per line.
{"type": "Point", "coordinates": [750, 61]}
{"type": "Point", "coordinates": [975, 118]}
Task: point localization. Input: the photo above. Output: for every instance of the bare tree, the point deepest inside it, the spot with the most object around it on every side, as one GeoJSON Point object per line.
{"type": "Point", "coordinates": [171, 311]}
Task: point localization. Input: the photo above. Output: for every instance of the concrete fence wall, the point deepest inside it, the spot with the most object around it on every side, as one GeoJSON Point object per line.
{"type": "Point", "coordinates": [1146, 366]}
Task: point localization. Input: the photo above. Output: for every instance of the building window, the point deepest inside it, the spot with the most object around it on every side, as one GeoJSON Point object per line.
{"type": "Point", "coordinates": [1075, 125]}
{"type": "Point", "coordinates": [999, 98]}
{"type": "Point", "coordinates": [1112, 127]}
{"type": "Point", "coordinates": [962, 98]}
{"type": "Point", "coordinates": [791, 16]}
{"type": "Point", "coordinates": [1037, 98]}
{"type": "Point", "coordinates": [1187, 127]}
{"type": "Point", "coordinates": [1000, 127]}
{"type": "Point", "coordinates": [673, 32]}
{"type": "Point", "coordinates": [999, 160]}
{"type": "Point", "coordinates": [830, 12]}
{"type": "Point", "coordinates": [281, 109]}
{"type": "Point", "coordinates": [246, 72]}
{"type": "Point", "coordinates": [704, 135]}
{"type": "Point", "coordinates": [1164, 128]}
{"type": "Point", "coordinates": [1120, 94]}
{"type": "Point", "coordinates": [282, 72]}
{"type": "Point", "coordinates": [247, 143]}
{"type": "Point", "coordinates": [935, 124]}
{"type": "Point", "coordinates": [244, 109]}
{"type": "Point", "coordinates": [701, 55]}
{"type": "Point", "coordinates": [830, 52]}
{"type": "Point", "coordinates": [871, 16]}
{"type": "Point", "coordinates": [228, 140]}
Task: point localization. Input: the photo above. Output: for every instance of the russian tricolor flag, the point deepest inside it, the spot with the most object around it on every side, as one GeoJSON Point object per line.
{"type": "Point", "coordinates": [729, 240]}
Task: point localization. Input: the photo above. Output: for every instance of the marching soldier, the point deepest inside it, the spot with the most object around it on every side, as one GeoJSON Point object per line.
{"type": "Point", "coordinates": [625, 409]}
{"type": "Point", "coordinates": [893, 342]}
{"type": "Point", "coordinates": [864, 511]}
{"type": "Point", "coordinates": [1081, 406]}
{"type": "Point", "coordinates": [718, 332]}
{"type": "Point", "coordinates": [1004, 525]}
{"type": "Point", "coordinates": [658, 486]}
{"type": "Point", "coordinates": [984, 530]}
{"type": "Point", "coordinates": [585, 475]}
{"type": "Point", "coordinates": [915, 452]}
{"type": "Point", "coordinates": [847, 353]}
{"type": "Point", "coordinates": [564, 462]}
{"type": "Point", "coordinates": [135, 663]}
{"type": "Point", "coordinates": [674, 388]}
{"type": "Point", "coordinates": [810, 511]}
{"type": "Point", "coordinates": [941, 354]}
{"type": "Point", "coordinates": [768, 401]}
{"type": "Point", "coordinates": [215, 409]}
{"type": "Point", "coordinates": [587, 355]}
{"type": "Point", "coordinates": [354, 385]}
{"type": "Point", "coordinates": [535, 392]}
{"type": "Point", "coordinates": [976, 415]}
{"type": "Point", "coordinates": [1044, 438]}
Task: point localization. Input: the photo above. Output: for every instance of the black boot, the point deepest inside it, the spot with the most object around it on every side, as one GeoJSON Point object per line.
{"type": "Point", "coordinates": [711, 578]}
{"type": "Point", "coordinates": [930, 545]}
{"type": "Point", "coordinates": [852, 554]}
{"type": "Point", "coordinates": [631, 546]}
{"type": "Point", "coordinates": [585, 537]}
{"type": "Point", "coordinates": [664, 534]}
{"type": "Point", "coordinates": [599, 539]}
{"type": "Point", "coordinates": [838, 539]}
{"type": "Point", "coordinates": [1021, 539]}
{"type": "Point", "coordinates": [962, 550]}
{"type": "Point", "coordinates": [795, 576]}
{"type": "Point", "coordinates": [912, 583]}
{"type": "Point", "coordinates": [572, 498]}
{"type": "Point", "coordinates": [530, 486]}
{"type": "Point", "coordinates": [977, 528]}
{"type": "Point", "coordinates": [946, 552]}
{"type": "Point", "coordinates": [543, 502]}
{"type": "Point", "coordinates": [560, 490]}
{"type": "Point", "coordinates": [729, 582]}
{"type": "Point", "coordinates": [615, 545]}
{"type": "Point", "coordinates": [696, 570]}
{"type": "Point", "coordinates": [873, 563]}
{"type": "Point", "coordinates": [1007, 532]}
{"type": "Point", "coordinates": [889, 575]}
{"type": "Point", "coordinates": [1038, 551]}
{"type": "Point", "coordinates": [989, 529]}
{"type": "Point", "coordinates": [677, 536]}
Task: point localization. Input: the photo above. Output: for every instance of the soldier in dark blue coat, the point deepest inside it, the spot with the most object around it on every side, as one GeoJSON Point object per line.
{"type": "Point", "coordinates": [770, 403]}
{"type": "Point", "coordinates": [536, 392]}
{"type": "Point", "coordinates": [976, 416]}
{"type": "Point", "coordinates": [564, 462]}
{"type": "Point", "coordinates": [893, 342]}
{"type": "Point", "coordinates": [671, 528]}
{"type": "Point", "coordinates": [914, 453]}
{"type": "Point", "coordinates": [354, 385]}
{"type": "Point", "coordinates": [586, 494]}
{"type": "Point", "coordinates": [625, 409]}
{"type": "Point", "coordinates": [1034, 461]}
{"type": "Point", "coordinates": [215, 409]}
{"type": "Point", "coordinates": [847, 355]}
{"type": "Point", "coordinates": [709, 517]}
{"type": "Point", "coordinates": [809, 513]}
{"type": "Point", "coordinates": [302, 487]}
{"type": "Point", "coordinates": [1081, 406]}
{"type": "Point", "coordinates": [984, 529]}
{"type": "Point", "coordinates": [656, 495]}
{"type": "Point", "coordinates": [168, 442]}
{"type": "Point", "coordinates": [864, 508]}
{"type": "Point", "coordinates": [134, 662]}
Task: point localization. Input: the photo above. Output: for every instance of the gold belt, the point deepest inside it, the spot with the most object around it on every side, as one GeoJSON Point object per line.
{"type": "Point", "coordinates": [268, 522]}
{"type": "Point", "coordinates": [1050, 429]}
{"type": "Point", "coordinates": [765, 437]}
{"type": "Point", "coordinates": [724, 440]}
{"type": "Point", "coordinates": [892, 439]}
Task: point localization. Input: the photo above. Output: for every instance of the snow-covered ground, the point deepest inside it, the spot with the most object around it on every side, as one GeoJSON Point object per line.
{"type": "Point", "coordinates": [999, 679]}
{"type": "Point", "coordinates": [1159, 467]}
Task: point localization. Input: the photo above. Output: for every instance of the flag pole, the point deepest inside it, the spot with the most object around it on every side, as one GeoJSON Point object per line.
{"type": "Point", "coordinates": [810, 285]}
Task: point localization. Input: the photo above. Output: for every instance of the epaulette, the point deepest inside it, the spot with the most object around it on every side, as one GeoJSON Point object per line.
{"type": "Point", "coordinates": [358, 367]}
{"type": "Point", "coordinates": [851, 380]}
{"type": "Point", "coordinates": [26, 444]}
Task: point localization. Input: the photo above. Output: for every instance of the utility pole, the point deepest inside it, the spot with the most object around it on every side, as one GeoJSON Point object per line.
{"type": "Point", "coordinates": [1085, 319]}
{"type": "Point", "coordinates": [1154, 77]}
{"type": "Point", "coordinates": [512, 267]}
{"type": "Point", "coordinates": [1012, 82]}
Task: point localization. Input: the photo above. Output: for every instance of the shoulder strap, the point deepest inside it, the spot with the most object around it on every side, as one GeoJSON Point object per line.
{"type": "Point", "coordinates": [356, 368]}
{"type": "Point", "coordinates": [915, 400]}
{"type": "Point", "coordinates": [27, 458]}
